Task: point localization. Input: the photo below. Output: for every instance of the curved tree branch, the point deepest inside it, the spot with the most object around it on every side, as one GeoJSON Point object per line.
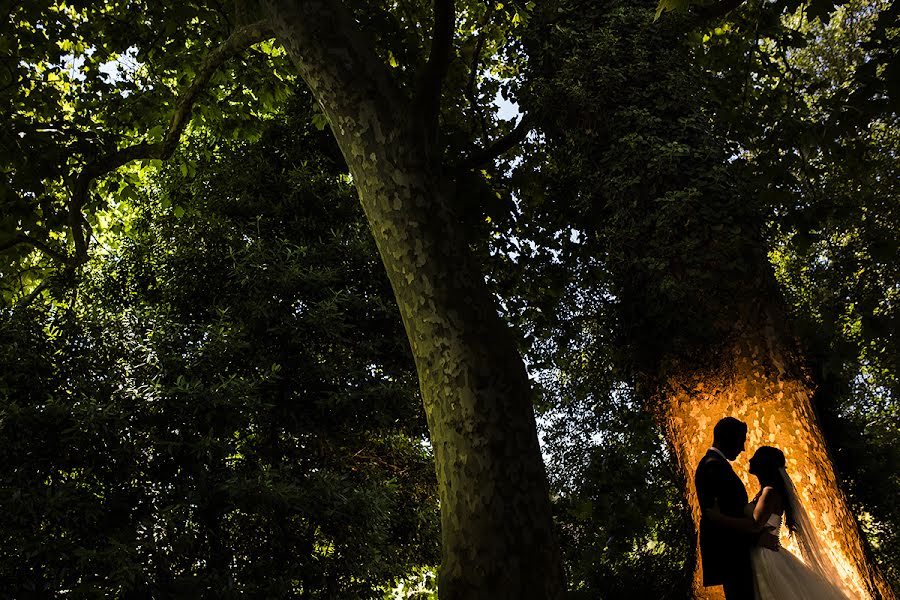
{"type": "Point", "coordinates": [473, 70]}
{"type": "Point", "coordinates": [43, 285]}
{"type": "Point", "coordinates": [498, 147]}
{"type": "Point", "coordinates": [428, 95]}
{"type": "Point", "coordinates": [240, 39]}
{"type": "Point", "coordinates": [23, 239]}
{"type": "Point", "coordinates": [104, 165]}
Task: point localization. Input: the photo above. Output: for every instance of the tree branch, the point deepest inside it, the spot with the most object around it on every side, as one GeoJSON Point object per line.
{"type": "Point", "coordinates": [43, 285]}
{"type": "Point", "coordinates": [428, 95]}
{"type": "Point", "coordinates": [26, 239]}
{"type": "Point", "coordinates": [473, 70]}
{"type": "Point", "coordinates": [239, 40]}
{"type": "Point", "coordinates": [499, 147]}
{"type": "Point", "coordinates": [90, 172]}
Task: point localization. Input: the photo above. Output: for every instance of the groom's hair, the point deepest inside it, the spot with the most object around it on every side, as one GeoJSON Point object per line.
{"type": "Point", "coordinates": [729, 430]}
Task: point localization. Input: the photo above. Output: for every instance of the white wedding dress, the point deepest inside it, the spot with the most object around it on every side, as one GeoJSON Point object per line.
{"type": "Point", "coordinates": [782, 576]}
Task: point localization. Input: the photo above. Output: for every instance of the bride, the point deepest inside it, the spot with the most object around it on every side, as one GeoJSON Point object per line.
{"type": "Point", "coordinates": [781, 575]}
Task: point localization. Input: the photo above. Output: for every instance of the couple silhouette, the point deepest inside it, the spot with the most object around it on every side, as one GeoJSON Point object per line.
{"type": "Point", "coordinates": [739, 539]}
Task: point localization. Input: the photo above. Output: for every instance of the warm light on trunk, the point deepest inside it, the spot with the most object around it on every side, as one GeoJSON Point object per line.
{"type": "Point", "coordinates": [759, 387]}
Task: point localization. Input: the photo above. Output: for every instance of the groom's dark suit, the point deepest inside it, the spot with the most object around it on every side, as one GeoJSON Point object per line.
{"type": "Point", "coordinates": [724, 552]}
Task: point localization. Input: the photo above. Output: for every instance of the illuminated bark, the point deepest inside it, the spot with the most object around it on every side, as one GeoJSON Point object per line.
{"type": "Point", "coordinates": [760, 385]}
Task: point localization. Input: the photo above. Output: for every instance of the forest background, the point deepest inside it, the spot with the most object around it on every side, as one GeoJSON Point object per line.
{"type": "Point", "coordinates": [207, 388]}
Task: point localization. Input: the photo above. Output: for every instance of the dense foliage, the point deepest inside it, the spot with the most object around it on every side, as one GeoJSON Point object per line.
{"type": "Point", "coordinates": [228, 405]}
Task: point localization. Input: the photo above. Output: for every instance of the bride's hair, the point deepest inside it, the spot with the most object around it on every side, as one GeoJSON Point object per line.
{"type": "Point", "coordinates": [767, 464]}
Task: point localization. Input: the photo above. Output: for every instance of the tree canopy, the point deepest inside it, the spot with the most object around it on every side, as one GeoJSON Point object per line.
{"type": "Point", "coordinates": [205, 386]}
{"type": "Point", "coordinates": [219, 409]}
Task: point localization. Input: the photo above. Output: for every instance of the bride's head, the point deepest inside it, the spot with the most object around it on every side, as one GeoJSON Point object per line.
{"type": "Point", "coordinates": [765, 464]}
{"type": "Point", "coordinates": [768, 465]}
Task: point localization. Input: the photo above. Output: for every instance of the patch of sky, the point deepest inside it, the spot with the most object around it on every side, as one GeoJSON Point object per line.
{"type": "Point", "coordinates": [506, 109]}
{"type": "Point", "coordinates": [123, 67]}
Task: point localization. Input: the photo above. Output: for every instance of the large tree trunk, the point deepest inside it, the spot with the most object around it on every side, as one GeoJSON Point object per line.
{"type": "Point", "coordinates": [497, 539]}
{"type": "Point", "coordinates": [760, 384]}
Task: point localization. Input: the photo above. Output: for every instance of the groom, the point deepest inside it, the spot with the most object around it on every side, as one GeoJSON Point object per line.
{"type": "Point", "coordinates": [725, 541]}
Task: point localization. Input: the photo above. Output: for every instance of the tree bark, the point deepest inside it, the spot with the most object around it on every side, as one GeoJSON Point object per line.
{"type": "Point", "coordinates": [497, 538]}
{"type": "Point", "coordinates": [761, 384]}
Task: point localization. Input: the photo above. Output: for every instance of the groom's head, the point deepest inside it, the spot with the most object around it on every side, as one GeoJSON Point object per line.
{"type": "Point", "coordinates": [729, 436]}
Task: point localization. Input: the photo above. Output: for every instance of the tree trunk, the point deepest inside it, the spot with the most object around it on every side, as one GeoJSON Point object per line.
{"type": "Point", "coordinates": [760, 384]}
{"type": "Point", "coordinates": [497, 538]}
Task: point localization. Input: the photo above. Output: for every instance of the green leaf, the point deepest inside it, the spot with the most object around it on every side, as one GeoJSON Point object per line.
{"type": "Point", "coordinates": [157, 133]}
{"type": "Point", "coordinates": [392, 60]}
{"type": "Point", "coordinates": [319, 121]}
{"type": "Point", "coordinates": [671, 6]}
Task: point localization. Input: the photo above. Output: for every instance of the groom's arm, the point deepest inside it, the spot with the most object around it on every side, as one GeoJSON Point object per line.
{"type": "Point", "coordinates": [740, 524]}
{"type": "Point", "coordinates": [710, 480]}
{"type": "Point", "coordinates": [758, 533]}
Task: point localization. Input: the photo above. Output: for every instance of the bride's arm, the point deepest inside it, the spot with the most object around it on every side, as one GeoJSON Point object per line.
{"type": "Point", "coordinates": [761, 532]}
{"type": "Point", "coordinates": [765, 506]}
{"type": "Point", "coordinates": [737, 523]}
{"type": "Point", "coordinates": [769, 502]}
